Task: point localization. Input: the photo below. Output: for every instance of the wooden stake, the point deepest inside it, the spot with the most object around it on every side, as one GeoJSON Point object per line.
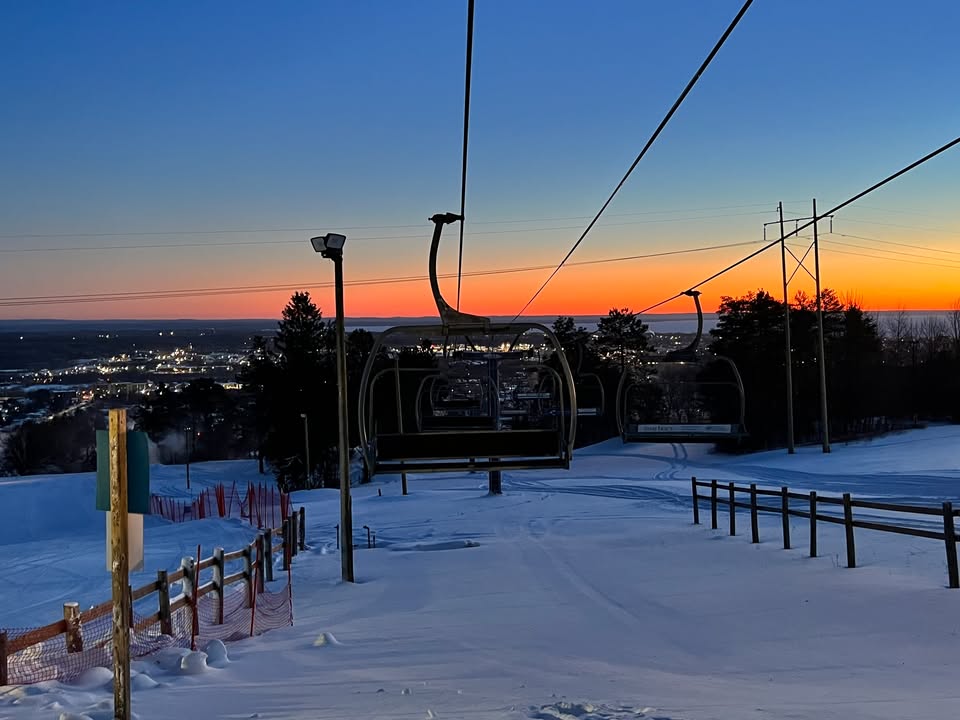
{"type": "Point", "coordinates": [71, 616]}
{"type": "Point", "coordinates": [848, 523]}
{"type": "Point", "coordinates": [813, 523]}
{"type": "Point", "coordinates": [163, 594]}
{"type": "Point", "coordinates": [733, 508]}
{"type": "Point", "coordinates": [120, 564]}
{"type": "Point", "coordinates": [950, 538]}
{"type": "Point", "coordinates": [696, 498]}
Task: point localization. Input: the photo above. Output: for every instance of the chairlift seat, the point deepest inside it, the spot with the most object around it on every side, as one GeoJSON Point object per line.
{"type": "Point", "coordinates": [469, 449]}
{"type": "Point", "coordinates": [456, 422]}
{"type": "Point", "coordinates": [682, 433]}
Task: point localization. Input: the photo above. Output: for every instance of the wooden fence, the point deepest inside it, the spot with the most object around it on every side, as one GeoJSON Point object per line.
{"type": "Point", "coordinates": [257, 566]}
{"type": "Point", "coordinates": [814, 502]}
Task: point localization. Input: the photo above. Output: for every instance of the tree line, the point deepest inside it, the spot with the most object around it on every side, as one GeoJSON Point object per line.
{"type": "Point", "coordinates": [879, 377]}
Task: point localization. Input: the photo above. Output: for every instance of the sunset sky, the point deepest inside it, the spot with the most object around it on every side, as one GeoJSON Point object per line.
{"type": "Point", "coordinates": [133, 134]}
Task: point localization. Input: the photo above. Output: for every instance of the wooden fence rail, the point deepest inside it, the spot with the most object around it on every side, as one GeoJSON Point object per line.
{"type": "Point", "coordinates": [813, 502]}
{"type": "Point", "coordinates": [71, 626]}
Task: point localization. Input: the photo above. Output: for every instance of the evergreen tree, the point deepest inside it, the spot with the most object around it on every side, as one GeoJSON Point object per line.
{"type": "Point", "coordinates": [621, 336]}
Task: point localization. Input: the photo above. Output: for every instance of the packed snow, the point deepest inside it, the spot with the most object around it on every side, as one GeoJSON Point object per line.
{"type": "Point", "coordinates": [584, 595]}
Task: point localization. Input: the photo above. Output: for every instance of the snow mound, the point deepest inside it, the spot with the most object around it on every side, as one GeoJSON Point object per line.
{"type": "Point", "coordinates": [326, 638]}
{"type": "Point", "coordinates": [587, 711]}
{"type": "Point", "coordinates": [217, 654]}
{"type": "Point", "coordinates": [193, 663]}
{"type": "Point", "coordinates": [95, 677]}
{"type": "Point", "coordinates": [170, 658]}
{"type": "Point", "coordinates": [103, 710]}
{"type": "Point", "coordinates": [447, 545]}
{"type": "Point", "coordinates": [141, 681]}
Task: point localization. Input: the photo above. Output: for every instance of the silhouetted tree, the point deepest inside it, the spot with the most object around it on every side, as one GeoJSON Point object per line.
{"type": "Point", "coordinates": [621, 336]}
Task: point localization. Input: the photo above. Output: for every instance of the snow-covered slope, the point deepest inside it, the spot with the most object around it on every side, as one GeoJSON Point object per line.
{"type": "Point", "coordinates": [586, 594]}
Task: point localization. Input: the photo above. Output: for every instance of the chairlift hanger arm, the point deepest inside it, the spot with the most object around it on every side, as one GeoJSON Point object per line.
{"type": "Point", "coordinates": [452, 319]}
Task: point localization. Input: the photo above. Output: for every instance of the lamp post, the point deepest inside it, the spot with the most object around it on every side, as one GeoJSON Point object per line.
{"type": "Point", "coordinates": [306, 443]}
{"type": "Point", "coordinates": [330, 246]}
{"type": "Point", "coordinates": [187, 432]}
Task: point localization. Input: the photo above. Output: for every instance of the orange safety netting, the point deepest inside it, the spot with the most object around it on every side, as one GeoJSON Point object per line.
{"type": "Point", "coordinates": [49, 660]}
{"type": "Point", "coordinates": [262, 505]}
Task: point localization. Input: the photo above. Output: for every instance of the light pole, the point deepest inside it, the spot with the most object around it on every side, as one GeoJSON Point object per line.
{"type": "Point", "coordinates": [331, 246]}
{"type": "Point", "coordinates": [306, 443]}
{"type": "Point", "coordinates": [187, 432]}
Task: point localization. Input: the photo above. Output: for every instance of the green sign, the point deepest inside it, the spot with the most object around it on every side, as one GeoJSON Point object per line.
{"type": "Point", "coordinates": [138, 472]}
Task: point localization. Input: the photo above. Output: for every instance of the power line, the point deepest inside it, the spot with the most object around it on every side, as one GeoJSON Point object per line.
{"type": "Point", "coordinates": [299, 241]}
{"type": "Point", "coordinates": [891, 259]}
{"type": "Point", "coordinates": [253, 231]}
{"type": "Point", "coordinates": [831, 211]}
{"type": "Point", "coordinates": [956, 263]}
{"type": "Point", "coordinates": [656, 134]}
{"type": "Point", "coordinates": [898, 244]}
{"type": "Point", "coordinates": [905, 227]}
{"type": "Point", "coordinates": [234, 290]}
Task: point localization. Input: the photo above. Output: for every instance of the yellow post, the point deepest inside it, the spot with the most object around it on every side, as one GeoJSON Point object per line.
{"type": "Point", "coordinates": [120, 564]}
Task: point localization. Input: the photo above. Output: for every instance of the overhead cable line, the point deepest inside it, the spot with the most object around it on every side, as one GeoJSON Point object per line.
{"type": "Point", "coordinates": [898, 244]}
{"type": "Point", "coordinates": [891, 259]}
{"type": "Point", "coordinates": [656, 134]}
{"type": "Point", "coordinates": [466, 133]}
{"type": "Point", "coordinates": [797, 230]}
{"type": "Point", "coordinates": [254, 231]}
{"type": "Point", "coordinates": [892, 252]}
{"type": "Point", "coordinates": [254, 243]}
{"type": "Point", "coordinates": [235, 290]}
{"type": "Point", "coordinates": [905, 227]}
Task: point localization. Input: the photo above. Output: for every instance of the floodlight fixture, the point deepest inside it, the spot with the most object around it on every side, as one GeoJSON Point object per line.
{"type": "Point", "coordinates": [329, 245]}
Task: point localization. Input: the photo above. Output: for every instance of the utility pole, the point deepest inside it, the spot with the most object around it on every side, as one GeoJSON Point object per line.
{"type": "Point", "coordinates": [822, 358]}
{"type": "Point", "coordinates": [789, 352]}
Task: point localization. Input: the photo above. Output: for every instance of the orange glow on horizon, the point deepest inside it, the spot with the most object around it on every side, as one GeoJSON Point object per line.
{"type": "Point", "coordinates": [579, 291]}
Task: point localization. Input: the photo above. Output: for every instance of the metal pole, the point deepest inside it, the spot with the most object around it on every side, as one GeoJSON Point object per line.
{"type": "Point", "coordinates": [186, 449]}
{"type": "Point", "coordinates": [396, 373]}
{"type": "Point", "coordinates": [789, 352]}
{"type": "Point", "coordinates": [346, 510]}
{"type": "Point", "coordinates": [306, 443]}
{"type": "Point", "coordinates": [495, 477]}
{"type": "Point", "coordinates": [822, 358]}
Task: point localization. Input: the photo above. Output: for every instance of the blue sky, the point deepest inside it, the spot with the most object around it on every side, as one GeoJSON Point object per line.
{"type": "Point", "coordinates": [139, 117]}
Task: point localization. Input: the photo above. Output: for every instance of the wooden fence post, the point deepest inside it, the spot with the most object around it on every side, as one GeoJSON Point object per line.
{"type": "Point", "coordinates": [785, 514]}
{"type": "Point", "coordinates": [950, 538]}
{"type": "Point", "coordinates": [218, 581]}
{"type": "Point", "coordinates": [285, 533]}
{"type": "Point", "coordinates": [713, 504]}
{"type": "Point", "coordinates": [4, 678]}
{"type": "Point", "coordinates": [733, 509]}
{"type": "Point", "coordinates": [302, 526]}
{"type": "Point", "coordinates": [248, 577]}
{"type": "Point", "coordinates": [163, 595]}
{"type": "Point", "coordinates": [188, 565]}
{"type": "Point", "coordinates": [294, 534]}
{"type": "Point", "coordinates": [696, 504]}
{"type": "Point", "coordinates": [268, 555]}
{"type": "Point", "coordinates": [813, 523]}
{"type": "Point", "coordinates": [754, 522]}
{"type": "Point", "coordinates": [73, 635]}
{"type": "Point", "coordinates": [848, 524]}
